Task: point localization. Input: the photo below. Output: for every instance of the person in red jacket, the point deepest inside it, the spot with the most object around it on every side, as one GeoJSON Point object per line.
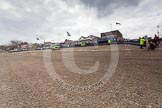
{"type": "Point", "coordinates": [156, 40]}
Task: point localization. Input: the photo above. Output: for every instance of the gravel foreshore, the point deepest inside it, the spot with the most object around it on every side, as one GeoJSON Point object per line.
{"type": "Point", "coordinates": [136, 83]}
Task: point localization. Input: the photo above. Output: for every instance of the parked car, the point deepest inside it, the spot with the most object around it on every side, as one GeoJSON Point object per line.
{"type": "Point", "coordinates": [24, 48]}
{"type": "Point", "coordinates": [46, 47]}
{"type": "Point", "coordinates": [83, 45]}
{"type": "Point", "coordinates": [55, 47]}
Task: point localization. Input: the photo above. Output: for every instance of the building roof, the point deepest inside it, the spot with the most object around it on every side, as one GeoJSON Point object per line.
{"type": "Point", "coordinates": [90, 37]}
{"type": "Point", "coordinates": [112, 31]}
{"type": "Point", "coordinates": [68, 41]}
{"type": "Point", "coordinates": [115, 32]}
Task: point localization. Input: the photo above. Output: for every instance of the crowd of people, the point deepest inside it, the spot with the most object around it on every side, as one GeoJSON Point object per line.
{"type": "Point", "coordinates": [150, 44]}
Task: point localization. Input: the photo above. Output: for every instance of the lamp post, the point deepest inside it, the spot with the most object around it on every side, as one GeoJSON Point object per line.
{"type": "Point", "coordinates": [158, 33]}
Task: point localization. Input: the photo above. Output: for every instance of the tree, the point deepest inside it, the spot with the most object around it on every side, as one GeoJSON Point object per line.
{"type": "Point", "coordinates": [2, 47]}
{"type": "Point", "coordinates": [15, 44]}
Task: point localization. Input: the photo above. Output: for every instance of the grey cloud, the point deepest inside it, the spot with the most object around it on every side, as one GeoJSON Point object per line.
{"type": "Point", "coordinates": [100, 4]}
{"type": "Point", "coordinates": [53, 18]}
{"type": "Point", "coordinates": [107, 6]}
{"type": "Point", "coordinates": [23, 19]}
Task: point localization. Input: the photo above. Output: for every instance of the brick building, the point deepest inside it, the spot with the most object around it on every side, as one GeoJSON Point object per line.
{"type": "Point", "coordinates": [113, 35]}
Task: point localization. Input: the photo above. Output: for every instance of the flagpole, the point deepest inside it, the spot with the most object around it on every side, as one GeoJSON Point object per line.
{"type": "Point", "coordinates": [69, 40]}
{"type": "Point", "coordinates": [68, 34]}
{"type": "Point", "coordinates": [117, 23]}
{"type": "Point", "coordinates": [116, 33]}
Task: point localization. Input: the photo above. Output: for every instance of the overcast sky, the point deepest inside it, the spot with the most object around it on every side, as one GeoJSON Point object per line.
{"type": "Point", "coordinates": [51, 19]}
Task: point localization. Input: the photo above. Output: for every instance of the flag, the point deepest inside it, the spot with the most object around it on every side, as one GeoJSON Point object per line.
{"type": "Point", "coordinates": [118, 23]}
{"type": "Point", "coordinates": [37, 38]}
{"type": "Point", "coordinates": [68, 34]}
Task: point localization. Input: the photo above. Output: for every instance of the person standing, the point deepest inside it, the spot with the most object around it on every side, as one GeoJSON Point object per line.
{"type": "Point", "coordinates": [156, 40]}
{"type": "Point", "coordinates": [142, 42]}
{"type": "Point", "coordinates": [109, 42]}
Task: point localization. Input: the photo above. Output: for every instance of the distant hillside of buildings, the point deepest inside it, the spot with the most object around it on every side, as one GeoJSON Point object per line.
{"type": "Point", "coordinates": [90, 40]}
